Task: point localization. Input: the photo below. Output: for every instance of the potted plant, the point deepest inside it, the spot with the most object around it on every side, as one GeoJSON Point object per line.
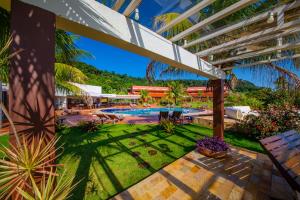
{"type": "Point", "coordinates": [212, 147]}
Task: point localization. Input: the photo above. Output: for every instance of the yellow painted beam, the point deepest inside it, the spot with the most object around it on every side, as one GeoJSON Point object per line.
{"type": "Point", "coordinates": [5, 4]}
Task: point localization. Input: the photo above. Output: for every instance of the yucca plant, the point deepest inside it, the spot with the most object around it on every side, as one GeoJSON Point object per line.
{"type": "Point", "coordinates": [49, 188]}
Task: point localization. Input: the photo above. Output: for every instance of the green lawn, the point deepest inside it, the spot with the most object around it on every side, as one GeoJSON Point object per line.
{"type": "Point", "coordinates": [106, 161]}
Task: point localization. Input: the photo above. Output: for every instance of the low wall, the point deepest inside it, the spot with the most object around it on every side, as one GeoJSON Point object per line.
{"type": "Point", "coordinates": [207, 121]}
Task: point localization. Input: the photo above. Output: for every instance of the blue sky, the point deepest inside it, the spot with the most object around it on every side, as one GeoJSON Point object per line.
{"type": "Point", "coordinates": [123, 62]}
{"type": "Point", "coordinates": [120, 61]}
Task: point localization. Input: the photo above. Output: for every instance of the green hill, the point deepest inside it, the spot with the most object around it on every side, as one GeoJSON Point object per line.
{"type": "Point", "coordinates": [120, 83]}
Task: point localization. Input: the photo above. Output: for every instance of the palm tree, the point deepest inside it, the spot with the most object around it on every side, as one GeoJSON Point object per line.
{"type": "Point", "coordinates": [66, 54]}
{"type": "Point", "coordinates": [144, 96]}
{"type": "Point", "coordinates": [155, 68]}
{"type": "Point", "coordinates": [176, 92]}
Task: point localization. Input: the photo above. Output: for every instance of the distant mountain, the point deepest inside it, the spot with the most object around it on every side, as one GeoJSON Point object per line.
{"type": "Point", "coordinates": [112, 82]}
{"type": "Point", "coordinates": [245, 86]}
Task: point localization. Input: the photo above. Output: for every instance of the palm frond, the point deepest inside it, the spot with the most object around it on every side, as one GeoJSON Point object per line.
{"type": "Point", "coordinates": [166, 18]}
{"type": "Point", "coordinates": [66, 51]}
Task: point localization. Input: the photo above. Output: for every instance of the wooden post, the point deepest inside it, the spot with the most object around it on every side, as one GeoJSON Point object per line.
{"type": "Point", "coordinates": [31, 76]}
{"type": "Point", "coordinates": [218, 107]}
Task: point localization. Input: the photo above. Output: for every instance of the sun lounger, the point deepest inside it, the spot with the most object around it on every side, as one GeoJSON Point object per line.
{"type": "Point", "coordinates": [284, 151]}
{"type": "Point", "coordinates": [115, 118]}
{"type": "Point", "coordinates": [163, 115]}
{"type": "Point", "coordinates": [70, 112]}
{"type": "Point", "coordinates": [177, 117]}
{"type": "Point", "coordinates": [132, 105]}
{"type": "Point", "coordinates": [109, 117]}
{"type": "Point", "coordinates": [103, 117]}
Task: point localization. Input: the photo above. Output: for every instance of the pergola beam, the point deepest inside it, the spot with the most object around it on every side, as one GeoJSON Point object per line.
{"type": "Point", "coordinates": [131, 7]}
{"type": "Point", "coordinates": [227, 29]}
{"type": "Point", "coordinates": [234, 43]}
{"type": "Point", "coordinates": [118, 4]}
{"type": "Point", "coordinates": [195, 9]}
{"type": "Point", "coordinates": [264, 61]}
{"type": "Point", "coordinates": [96, 21]}
{"type": "Point", "coordinates": [220, 15]}
{"type": "Point", "coordinates": [258, 53]}
{"type": "Point", "coordinates": [260, 39]}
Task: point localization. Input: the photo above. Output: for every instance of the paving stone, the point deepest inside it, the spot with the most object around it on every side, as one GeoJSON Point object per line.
{"type": "Point", "coordinates": [242, 175]}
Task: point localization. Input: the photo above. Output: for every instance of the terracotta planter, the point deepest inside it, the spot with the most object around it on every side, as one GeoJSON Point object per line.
{"type": "Point", "coordinates": [209, 153]}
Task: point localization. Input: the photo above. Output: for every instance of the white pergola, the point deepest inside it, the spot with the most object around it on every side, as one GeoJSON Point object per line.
{"type": "Point", "coordinates": [94, 20]}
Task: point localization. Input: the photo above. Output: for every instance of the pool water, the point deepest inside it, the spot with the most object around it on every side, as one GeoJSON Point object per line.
{"type": "Point", "coordinates": [148, 111]}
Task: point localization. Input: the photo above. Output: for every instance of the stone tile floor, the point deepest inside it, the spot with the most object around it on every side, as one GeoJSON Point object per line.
{"type": "Point", "coordinates": [242, 175]}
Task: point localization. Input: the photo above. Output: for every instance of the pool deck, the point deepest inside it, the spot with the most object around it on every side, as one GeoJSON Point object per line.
{"type": "Point", "coordinates": [87, 115]}
{"type": "Point", "coordinates": [243, 175]}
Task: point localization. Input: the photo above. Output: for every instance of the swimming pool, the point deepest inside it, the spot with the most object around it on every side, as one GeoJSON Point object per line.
{"type": "Point", "coordinates": [148, 111]}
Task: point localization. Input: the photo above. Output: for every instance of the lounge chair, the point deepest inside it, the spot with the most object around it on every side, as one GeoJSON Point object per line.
{"type": "Point", "coordinates": [70, 112]}
{"type": "Point", "coordinates": [176, 117]}
{"type": "Point", "coordinates": [163, 115]}
{"type": "Point", "coordinates": [132, 105]}
{"type": "Point", "coordinates": [146, 105]}
{"type": "Point", "coordinates": [103, 117]}
{"type": "Point", "coordinates": [283, 150]}
{"type": "Point", "coordinates": [115, 118]}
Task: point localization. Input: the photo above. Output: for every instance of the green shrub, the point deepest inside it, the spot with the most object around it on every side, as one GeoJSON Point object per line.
{"type": "Point", "coordinates": [297, 100]}
{"type": "Point", "coordinates": [277, 97]}
{"type": "Point", "coordinates": [206, 104]}
{"type": "Point", "coordinates": [273, 119]}
{"type": "Point", "coordinates": [167, 125]}
{"type": "Point", "coordinates": [241, 99]}
{"type": "Point", "coordinates": [164, 102]}
{"type": "Point", "coordinates": [88, 126]}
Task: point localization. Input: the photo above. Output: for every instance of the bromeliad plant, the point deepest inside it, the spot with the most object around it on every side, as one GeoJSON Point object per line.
{"type": "Point", "coordinates": [49, 188]}
{"type": "Point", "coordinates": [167, 125]}
{"type": "Point", "coordinates": [29, 170]}
{"type": "Point", "coordinates": [22, 162]}
{"type": "Point", "coordinates": [89, 126]}
{"type": "Point", "coordinates": [214, 144]}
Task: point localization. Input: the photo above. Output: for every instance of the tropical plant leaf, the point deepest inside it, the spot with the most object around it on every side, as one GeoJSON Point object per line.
{"type": "Point", "coordinates": [30, 159]}
{"type": "Point", "coordinates": [50, 188]}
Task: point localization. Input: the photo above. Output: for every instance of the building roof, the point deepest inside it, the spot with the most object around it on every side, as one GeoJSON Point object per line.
{"type": "Point", "coordinates": [150, 88]}
{"type": "Point", "coordinates": [195, 89]}
{"type": "Point", "coordinates": [91, 90]}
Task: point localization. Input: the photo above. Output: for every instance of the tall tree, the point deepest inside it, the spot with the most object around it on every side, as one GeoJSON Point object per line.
{"type": "Point", "coordinates": [176, 92]}
{"type": "Point", "coordinates": [144, 96]}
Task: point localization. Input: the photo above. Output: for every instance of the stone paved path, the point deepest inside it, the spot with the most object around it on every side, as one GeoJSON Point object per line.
{"type": "Point", "coordinates": [242, 175]}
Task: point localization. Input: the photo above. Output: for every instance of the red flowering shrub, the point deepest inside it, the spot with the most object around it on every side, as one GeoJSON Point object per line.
{"type": "Point", "coordinates": [273, 119]}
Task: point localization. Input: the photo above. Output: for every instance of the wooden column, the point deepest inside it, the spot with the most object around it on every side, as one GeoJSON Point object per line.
{"type": "Point", "coordinates": [218, 107]}
{"type": "Point", "coordinates": [31, 76]}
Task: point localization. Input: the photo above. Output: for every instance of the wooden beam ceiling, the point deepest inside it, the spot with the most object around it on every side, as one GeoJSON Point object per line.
{"type": "Point", "coordinates": [265, 61]}
{"type": "Point", "coordinates": [131, 7]}
{"type": "Point", "coordinates": [258, 53]}
{"type": "Point", "coordinates": [194, 10]}
{"type": "Point", "coordinates": [227, 29]}
{"type": "Point", "coordinates": [219, 15]}
{"type": "Point", "coordinates": [118, 4]}
{"type": "Point", "coordinates": [224, 46]}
